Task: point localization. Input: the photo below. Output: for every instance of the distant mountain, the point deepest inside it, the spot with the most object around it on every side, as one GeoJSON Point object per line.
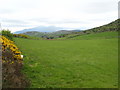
{"type": "Point", "coordinates": [50, 34]}
{"type": "Point", "coordinates": [35, 33]}
{"type": "Point", "coordinates": [43, 31]}
{"type": "Point", "coordinates": [66, 31]}
{"type": "Point", "coordinates": [40, 29]}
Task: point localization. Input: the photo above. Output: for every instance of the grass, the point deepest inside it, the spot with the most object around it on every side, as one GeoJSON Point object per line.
{"type": "Point", "coordinates": [70, 63]}
{"type": "Point", "coordinates": [103, 35]}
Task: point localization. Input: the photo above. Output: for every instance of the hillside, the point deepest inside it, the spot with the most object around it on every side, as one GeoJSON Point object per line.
{"type": "Point", "coordinates": [103, 35]}
{"type": "Point", "coordinates": [60, 33]}
{"type": "Point", "coordinates": [111, 27]}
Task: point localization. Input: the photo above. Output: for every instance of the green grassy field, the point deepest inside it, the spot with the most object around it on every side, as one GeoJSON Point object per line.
{"type": "Point", "coordinates": [70, 63]}
{"type": "Point", "coordinates": [103, 35]}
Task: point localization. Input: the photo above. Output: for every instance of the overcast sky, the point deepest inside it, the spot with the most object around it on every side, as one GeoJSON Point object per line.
{"type": "Point", "coordinates": [72, 14]}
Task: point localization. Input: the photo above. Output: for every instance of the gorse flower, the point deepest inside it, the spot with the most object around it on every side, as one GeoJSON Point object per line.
{"type": "Point", "coordinates": [14, 51]}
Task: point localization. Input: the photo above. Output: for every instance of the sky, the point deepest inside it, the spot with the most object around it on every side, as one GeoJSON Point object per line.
{"type": "Point", "coordinates": [16, 15]}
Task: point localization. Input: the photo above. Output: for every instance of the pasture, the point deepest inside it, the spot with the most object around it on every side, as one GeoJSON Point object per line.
{"type": "Point", "coordinates": [70, 63]}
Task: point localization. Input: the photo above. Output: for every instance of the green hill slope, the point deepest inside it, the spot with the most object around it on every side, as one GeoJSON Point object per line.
{"type": "Point", "coordinates": [103, 35]}
{"type": "Point", "coordinates": [106, 31]}
{"type": "Point", "coordinates": [113, 26]}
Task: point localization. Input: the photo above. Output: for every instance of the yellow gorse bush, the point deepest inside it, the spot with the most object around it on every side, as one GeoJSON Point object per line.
{"type": "Point", "coordinates": [16, 54]}
{"type": "Point", "coordinates": [20, 35]}
{"type": "Point", "coordinates": [12, 63]}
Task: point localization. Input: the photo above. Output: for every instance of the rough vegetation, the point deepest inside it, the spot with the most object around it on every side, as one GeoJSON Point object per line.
{"type": "Point", "coordinates": [12, 63]}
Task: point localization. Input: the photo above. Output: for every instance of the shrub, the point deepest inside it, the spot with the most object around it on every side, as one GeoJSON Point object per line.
{"type": "Point", "coordinates": [20, 35]}
{"type": "Point", "coordinates": [7, 34]}
{"type": "Point", "coordinates": [12, 63]}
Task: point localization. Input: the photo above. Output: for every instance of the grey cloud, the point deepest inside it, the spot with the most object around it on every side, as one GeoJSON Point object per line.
{"type": "Point", "coordinates": [15, 25]}
{"type": "Point", "coordinates": [62, 21]}
{"type": "Point", "coordinates": [14, 21]}
{"type": "Point", "coordinates": [73, 21]}
{"type": "Point", "coordinates": [39, 19]}
{"type": "Point", "coordinates": [6, 11]}
{"type": "Point", "coordinates": [96, 7]}
{"type": "Point", "coordinates": [101, 7]}
{"type": "Point", "coordinates": [68, 22]}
